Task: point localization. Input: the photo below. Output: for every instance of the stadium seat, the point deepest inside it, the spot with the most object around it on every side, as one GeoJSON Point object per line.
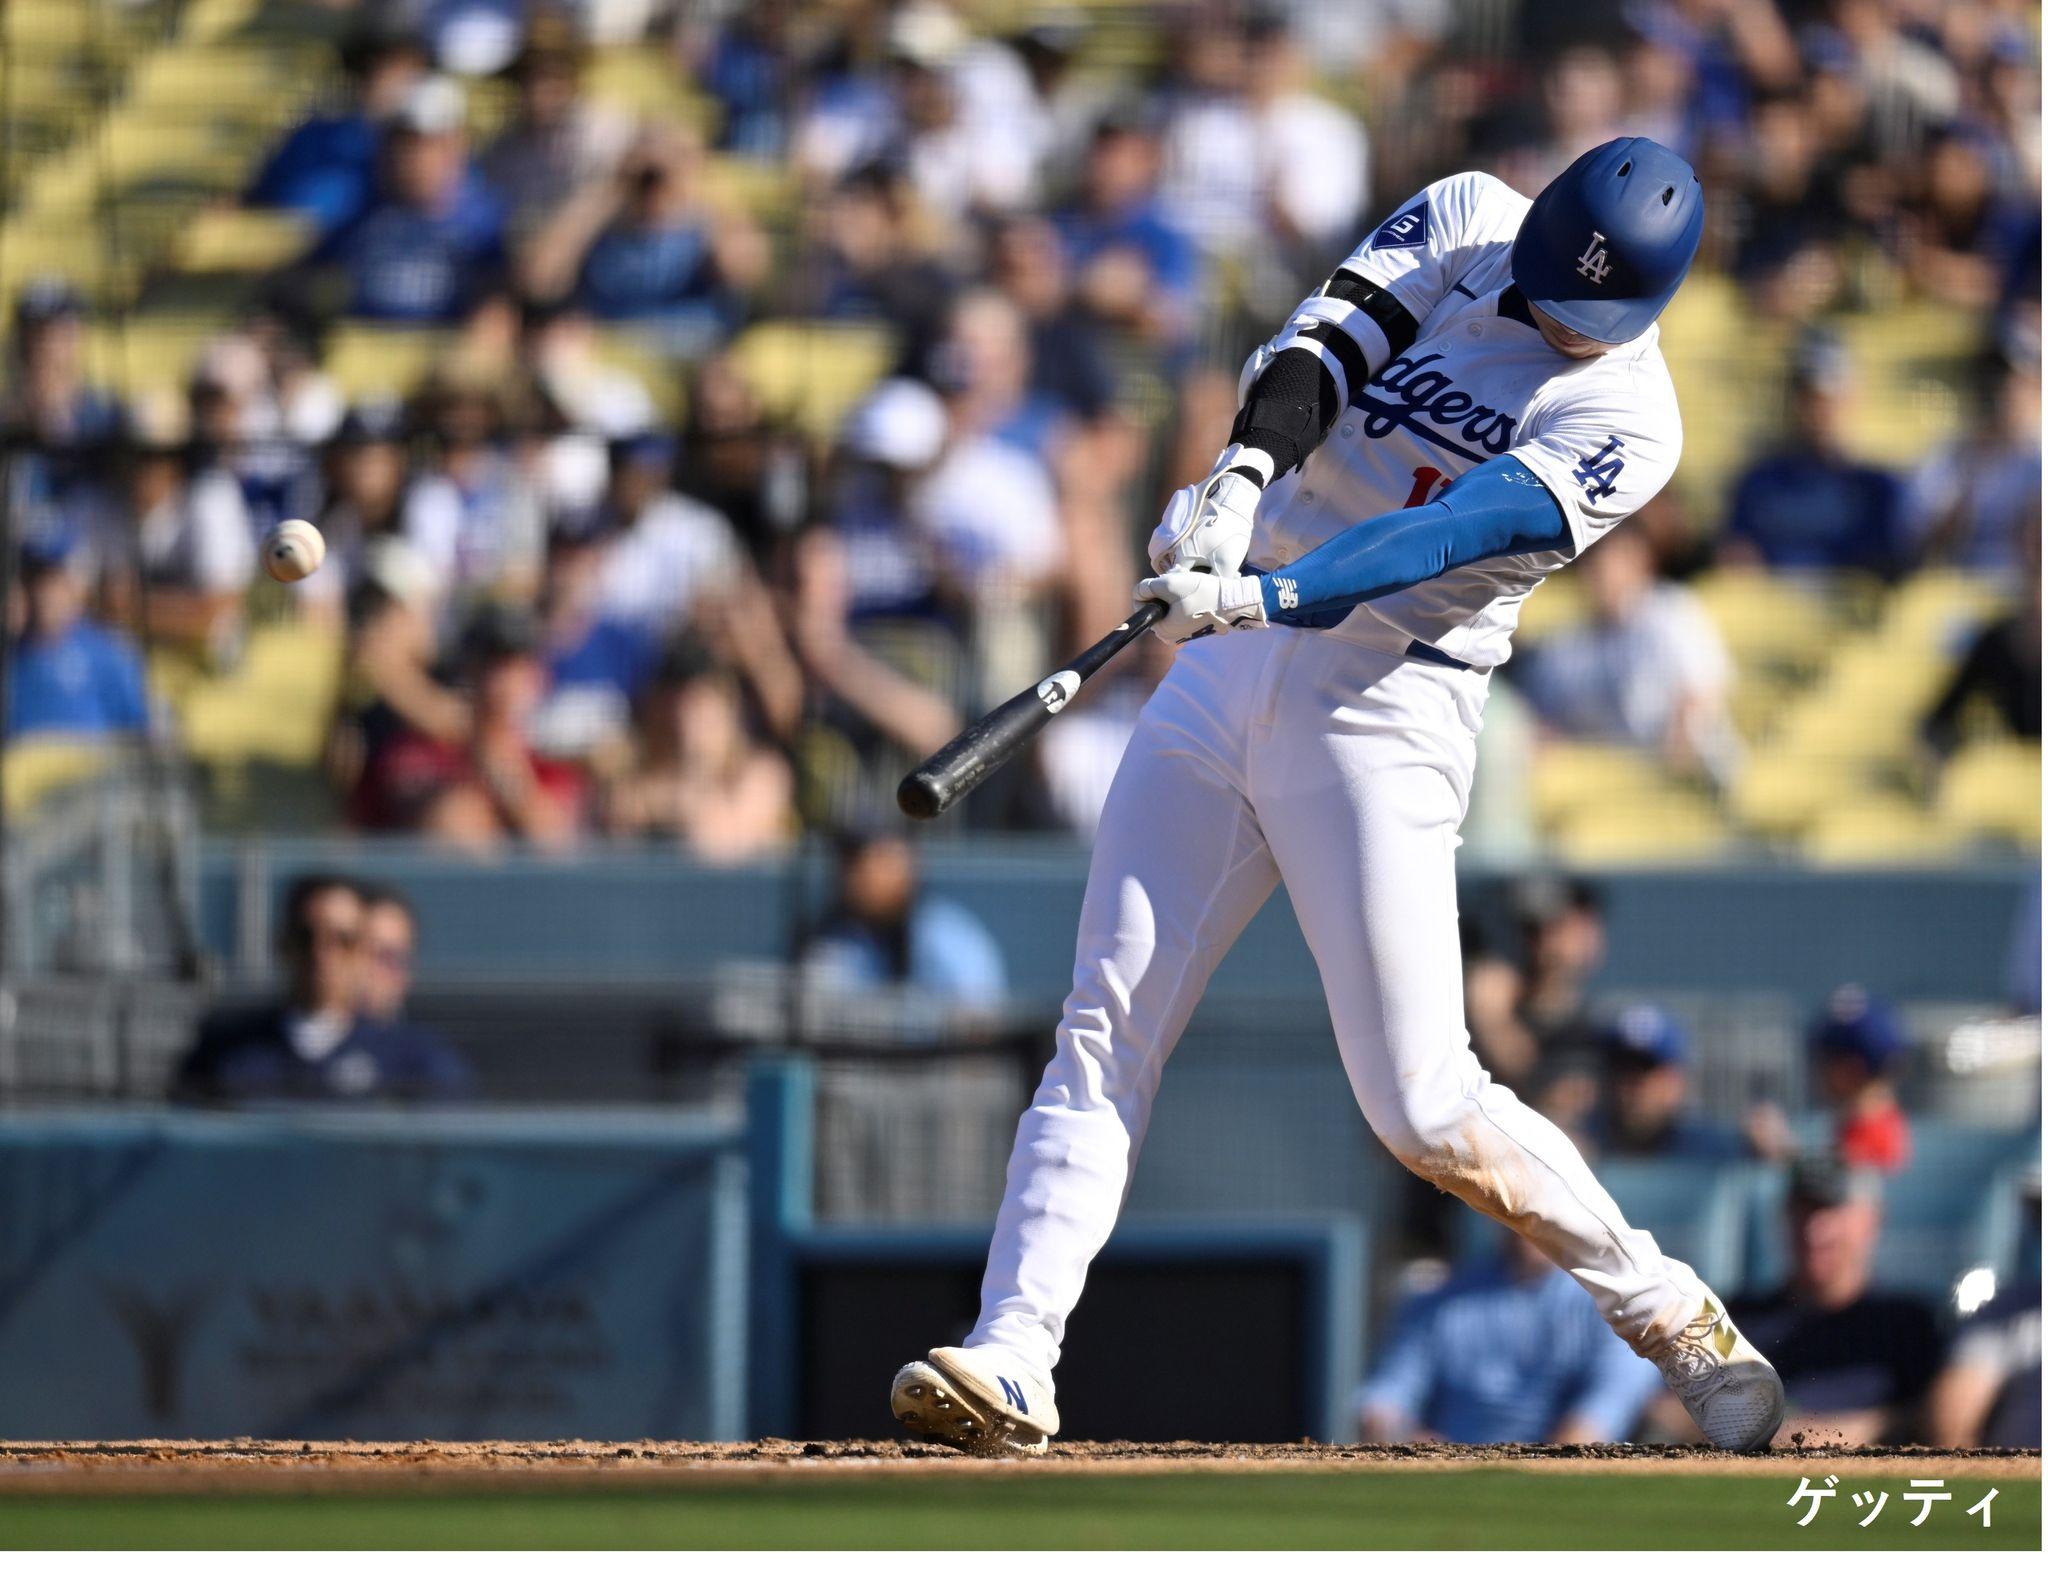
{"type": "Point", "coordinates": [36, 767]}
{"type": "Point", "coordinates": [1994, 789]}
{"type": "Point", "coordinates": [369, 359]}
{"type": "Point", "coordinates": [1695, 1208]}
{"type": "Point", "coordinates": [1879, 828]}
{"type": "Point", "coordinates": [276, 706]}
{"type": "Point", "coordinates": [1953, 1207]}
{"type": "Point", "coordinates": [813, 372]}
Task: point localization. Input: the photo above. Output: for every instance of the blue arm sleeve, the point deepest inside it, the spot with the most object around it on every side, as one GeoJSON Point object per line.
{"type": "Point", "coordinates": [1496, 510]}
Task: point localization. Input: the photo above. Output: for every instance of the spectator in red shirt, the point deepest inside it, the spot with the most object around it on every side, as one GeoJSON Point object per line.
{"type": "Point", "coordinates": [1859, 1047]}
{"type": "Point", "coordinates": [489, 785]}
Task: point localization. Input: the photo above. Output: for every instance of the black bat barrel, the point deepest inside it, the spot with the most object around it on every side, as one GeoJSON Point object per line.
{"type": "Point", "coordinates": [962, 765]}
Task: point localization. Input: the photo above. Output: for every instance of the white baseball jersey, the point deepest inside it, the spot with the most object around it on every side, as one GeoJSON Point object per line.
{"type": "Point", "coordinates": [1602, 434]}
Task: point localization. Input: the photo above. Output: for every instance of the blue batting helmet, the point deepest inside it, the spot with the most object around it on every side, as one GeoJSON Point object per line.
{"type": "Point", "coordinates": [1607, 244]}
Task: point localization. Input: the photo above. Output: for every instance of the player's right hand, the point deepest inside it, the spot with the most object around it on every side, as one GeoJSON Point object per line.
{"type": "Point", "coordinates": [1207, 525]}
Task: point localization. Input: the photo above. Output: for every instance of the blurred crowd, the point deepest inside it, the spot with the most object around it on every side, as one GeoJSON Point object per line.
{"type": "Point", "coordinates": [567, 617]}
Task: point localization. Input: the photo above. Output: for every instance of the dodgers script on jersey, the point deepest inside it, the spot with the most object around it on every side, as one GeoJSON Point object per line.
{"type": "Point", "coordinates": [1602, 434]}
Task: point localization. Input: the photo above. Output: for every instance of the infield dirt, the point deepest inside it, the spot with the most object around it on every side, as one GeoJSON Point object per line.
{"type": "Point", "coordinates": [243, 1464]}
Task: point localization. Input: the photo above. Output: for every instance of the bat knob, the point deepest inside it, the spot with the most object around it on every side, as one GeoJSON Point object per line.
{"type": "Point", "coordinates": [918, 797]}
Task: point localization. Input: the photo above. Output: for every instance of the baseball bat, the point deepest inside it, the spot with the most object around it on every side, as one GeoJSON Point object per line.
{"type": "Point", "coordinates": [959, 767]}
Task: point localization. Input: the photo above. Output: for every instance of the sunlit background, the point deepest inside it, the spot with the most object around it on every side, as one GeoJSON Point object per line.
{"type": "Point", "coordinates": [485, 988]}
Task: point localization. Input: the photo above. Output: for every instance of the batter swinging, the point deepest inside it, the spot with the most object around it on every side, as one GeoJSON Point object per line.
{"type": "Point", "coordinates": [1467, 404]}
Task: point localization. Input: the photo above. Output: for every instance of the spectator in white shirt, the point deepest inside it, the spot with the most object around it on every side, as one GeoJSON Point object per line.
{"type": "Point", "coordinates": [666, 552]}
{"type": "Point", "coordinates": [1647, 669]}
{"type": "Point", "coordinates": [173, 536]}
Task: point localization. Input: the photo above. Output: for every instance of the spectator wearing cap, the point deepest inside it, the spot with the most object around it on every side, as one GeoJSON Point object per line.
{"type": "Point", "coordinates": [1809, 504]}
{"type": "Point", "coordinates": [557, 141]}
{"type": "Point", "coordinates": [1645, 1112]}
{"type": "Point", "coordinates": [326, 169]}
{"type": "Point", "coordinates": [172, 534]}
{"type": "Point", "coordinates": [1648, 668]}
{"type": "Point", "coordinates": [646, 247]}
{"type": "Point", "coordinates": [61, 422]}
{"type": "Point", "coordinates": [699, 780]}
{"type": "Point", "coordinates": [881, 929]}
{"type": "Point", "coordinates": [317, 1042]}
{"type": "Point", "coordinates": [597, 664]}
{"type": "Point", "coordinates": [1857, 1361]}
{"type": "Point", "coordinates": [1859, 1047]}
{"type": "Point", "coordinates": [1135, 268]}
{"type": "Point", "coordinates": [429, 247]}
{"type": "Point", "coordinates": [489, 785]}
{"type": "Point", "coordinates": [888, 446]}
{"type": "Point", "coordinates": [1507, 1350]}
{"type": "Point", "coordinates": [65, 673]}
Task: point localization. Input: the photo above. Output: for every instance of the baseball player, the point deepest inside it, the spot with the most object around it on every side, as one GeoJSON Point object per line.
{"type": "Point", "coordinates": [1470, 401]}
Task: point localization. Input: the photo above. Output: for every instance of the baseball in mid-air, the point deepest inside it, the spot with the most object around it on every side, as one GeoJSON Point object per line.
{"type": "Point", "coordinates": [293, 550]}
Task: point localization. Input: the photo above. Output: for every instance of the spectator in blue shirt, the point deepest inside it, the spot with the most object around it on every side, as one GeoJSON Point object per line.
{"type": "Point", "coordinates": [61, 421]}
{"type": "Point", "coordinates": [429, 247]}
{"type": "Point", "coordinates": [646, 248]}
{"type": "Point", "coordinates": [65, 673]}
{"type": "Point", "coordinates": [1645, 1107]}
{"type": "Point", "coordinates": [391, 930]}
{"type": "Point", "coordinates": [318, 1041]}
{"type": "Point", "coordinates": [597, 665]}
{"type": "Point", "coordinates": [327, 168]}
{"type": "Point", "coordinates": [1809, 505]}
{"type": "Point", "coordinates": [1507, 1350]}
{"type": "Point", "coordinates": [1133, 267]}
{"type": "Point", "coordinates": [881, 930]}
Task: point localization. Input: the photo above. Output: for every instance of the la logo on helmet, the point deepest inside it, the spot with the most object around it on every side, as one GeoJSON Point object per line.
{"type": "Point", "coordinates": [1593, 260]}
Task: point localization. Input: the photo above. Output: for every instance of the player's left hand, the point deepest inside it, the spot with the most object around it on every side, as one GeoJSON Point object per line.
{"type": "Point", "coordinates": [1199, 603]}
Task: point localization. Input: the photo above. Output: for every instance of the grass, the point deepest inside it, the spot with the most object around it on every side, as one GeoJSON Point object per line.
{"type": "Point", "coordinates": [1266, 1509]}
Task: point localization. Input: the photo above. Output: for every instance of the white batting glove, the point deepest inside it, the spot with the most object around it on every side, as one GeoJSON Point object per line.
{"type": "Point", "coordinates": [1201, 603]}
{"type": "Point", "coordinates": [1209, 524]}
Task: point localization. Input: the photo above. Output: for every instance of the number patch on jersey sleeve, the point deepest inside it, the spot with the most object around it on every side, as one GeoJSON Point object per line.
{"type": "Point", "coordinates": [1409, 228]}
{"type": "Point", "coordinates": [1598, 472]}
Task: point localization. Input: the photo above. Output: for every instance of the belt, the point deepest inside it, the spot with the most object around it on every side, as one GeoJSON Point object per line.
{"type": "Point", "coordinates": [1419, 652]}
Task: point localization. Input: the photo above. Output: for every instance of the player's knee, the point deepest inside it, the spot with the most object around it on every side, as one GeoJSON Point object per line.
{"type": "Point", "coordinates": [1424, 1131]}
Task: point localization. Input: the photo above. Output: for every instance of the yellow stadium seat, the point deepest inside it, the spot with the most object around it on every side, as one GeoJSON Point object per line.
{"type": "Point", "coordinates": [1937, 609]}
{"type": "Point", "coordinates": [241, 240]}
{"type": "Point", "coordinates": [1768, 617]}
{"type": "Point", "coordinates": [647, 82]}
{"type": "Point", "coordinates": [275, 707]}
{"type": "Point", "coordinates": [1879, 829]}
{"type": "Point", "coordinates": [1781, 793]}
{"type": "Point", "coordinates": [1672, 828]}
{"type": "Point", "coordinates": [813, 372]}
{"type": "Point", "coordinates": [145, 352]}
{"type": "Point", "coordinates": [1994, 789]}
{"type": "Point", "coordinates": [1556, 605]}
{"type": "Point", "coordinates": [36, 767]}
{"type": "Point", "coordinates": [1567, 778]}
{"type": "Point", "coordinates": [367, 359]}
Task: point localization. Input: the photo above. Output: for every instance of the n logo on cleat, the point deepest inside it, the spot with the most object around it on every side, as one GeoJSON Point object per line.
{"type": "Point", "coordinates": [1013, 1392]}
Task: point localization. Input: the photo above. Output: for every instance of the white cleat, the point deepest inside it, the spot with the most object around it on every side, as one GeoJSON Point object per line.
{"type": "Point", "coordinates": [1731, 1392]}
{"type": "Point", "coordinates": [980, 1399]}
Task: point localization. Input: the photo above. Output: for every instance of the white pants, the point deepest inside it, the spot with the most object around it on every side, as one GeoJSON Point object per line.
{"type": "Point", "coordinates": [1342, 769]}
